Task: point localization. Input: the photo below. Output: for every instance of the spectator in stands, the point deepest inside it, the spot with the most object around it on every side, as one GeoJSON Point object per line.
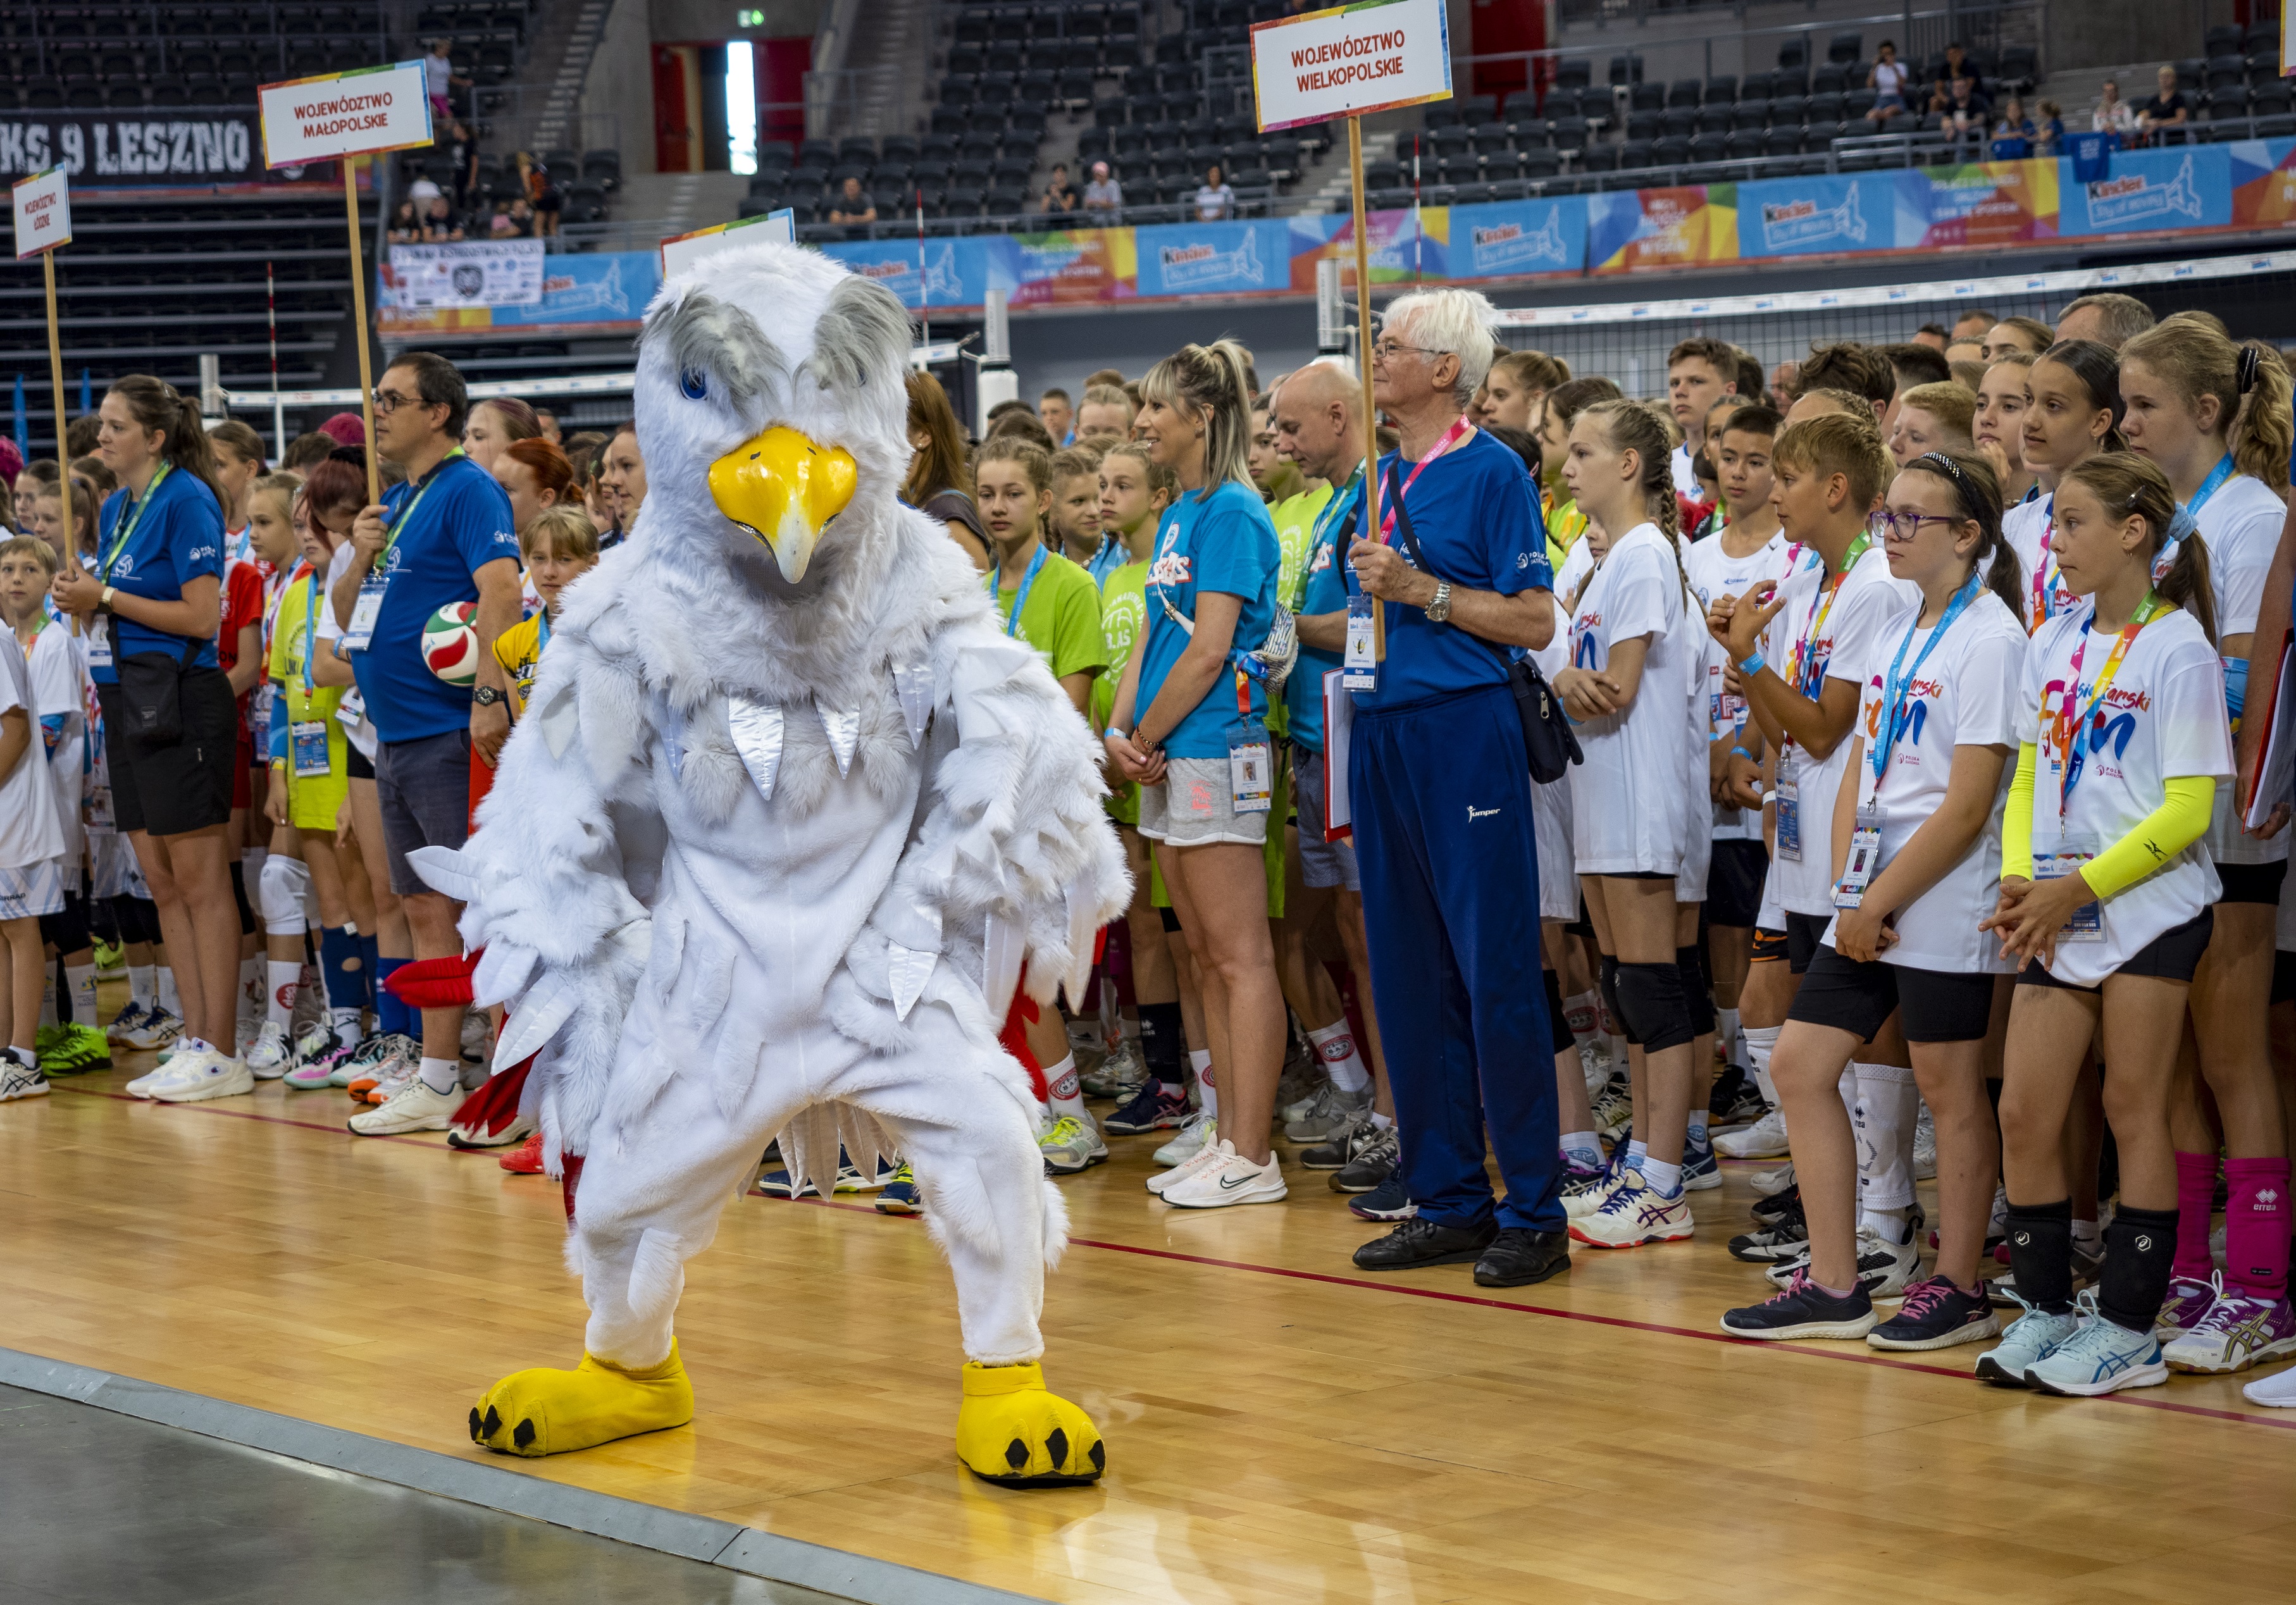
{"type": "Point", "coordinates": [1935, 335]}
{"type": "Point", "coordinates": [444, 536]}
{"type": "Point", "coordinates": [2049, 130]}
{"type": "Point", "coordinates": [2110, 319]}
{"type": "Point", "coordinates": [2167, 110]}
{"type": "Point", "coordinates": [622, 472]}
{"type": "Point", "coordinates": [439, 77]}
{"type": "Point", "coordinates": [1106, 410]}
{"type": "Point", "coordinates": [1972, 324]}
{"type": "Point", "coordinates": [440, 224]}
{"type": "Point", "coordinates": [1059, 196]}
{"type": "Point", "coordinates": [1966, 111]}
{"type": "Point", "coordinates": [2013, 133]}
{"type": "Point", "coordinates": [541, 193]}
{"type": "Point", "coordinates": [406, 223]}
{"type": "Point", "coordinates": [1887, 79]}
{"type": "Point", "coordinates": [500, 226]}
{"type": "Point", "coordinates": [1955, 65]}
{"type": "Point", "coordinates": [1058, 417]}
{"type": "Point", "coordinates": [1215, 201]}
{"type": "Point", "coordinates": [2112, 115]}
{"type": "Point", "coordinates": [493, 425]}
{"type": "Point", "coordinates": [1103, 194]}
{"type": "Point", "coordinates": [936, 473]}
{"type": "Point", "coordinates": [463, 155]}
{"type": "Point", "coordinates": [534, 475]}
{"type": "Point", "coordinates": [523, 222]}
{"type": "Point", "coordinates": [2026, 334]}
{"type": "Point", "coordinates": [853, 204]}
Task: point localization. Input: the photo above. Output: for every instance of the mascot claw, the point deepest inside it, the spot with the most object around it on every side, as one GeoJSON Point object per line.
{"type": "Point", "coordinates": [1011, 1431]}
{"type": "Point", "coordinates": [546, 1411]}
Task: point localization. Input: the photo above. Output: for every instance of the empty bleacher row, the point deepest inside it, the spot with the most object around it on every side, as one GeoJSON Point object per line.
{"type": "Point", "coordinates": [105, 57]}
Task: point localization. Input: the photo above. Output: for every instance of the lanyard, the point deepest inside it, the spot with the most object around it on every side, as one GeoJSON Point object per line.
{"type": "Point", "coordinates": [414, 502]}
{"type": "Point", "coordinates": [1809, 673]}
{"type": "Point", "coordinates": [1895, 687]}
{"type": "Point", "coordinates": [1020, 597]}
{"type": "Point", "coordinates": [2044, 589]}
{"type": "Point", "coordinates": [542, 631]}
{"type": "Point", "coordinates": [310, 627]}
{"type": "Point", "coordinates": [1451, 437]}
{"type": "Point", "coordinates": [2069, 724]}
{"type": "Point", "coordinates": [2211, 486]}
{"type": "Point", "coordinates": [1334, 510]}
{"type": "Point", "coordinates": [127, 528]}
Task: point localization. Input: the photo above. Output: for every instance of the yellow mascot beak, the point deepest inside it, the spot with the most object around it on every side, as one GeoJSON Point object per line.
{"type": "Point", "coordinates": [782, 486]}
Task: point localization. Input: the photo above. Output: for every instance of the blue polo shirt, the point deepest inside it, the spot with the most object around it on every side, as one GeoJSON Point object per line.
{"type": "Point", "coordinates": [178, 538]}
{"type": "Point", "coordinates": [1476, 513]}
{"type": "Point", "coordinates": [1224, 541]}
{"type": "Point", "coordinates": [460, 523]}
{"type": "Point", "coordinates": [1327, 592]}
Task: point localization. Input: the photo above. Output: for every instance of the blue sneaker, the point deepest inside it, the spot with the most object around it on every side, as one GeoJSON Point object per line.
{"type": "Point", "coordinates": [1700, 1168]}
{"type": "Point", "coordinates": [2031, 1339]}
{"type": "Point", "coordinates": [2104, 1356]}
{"type": "Point", "coordinates": [900, 1196]}
{"type": "Point", "coordinates": [1803, 1310]}
{"type": "Point", "coordinates": [1388, 1202]}
{"type": "Point", "coordinates": [1157, 1108]}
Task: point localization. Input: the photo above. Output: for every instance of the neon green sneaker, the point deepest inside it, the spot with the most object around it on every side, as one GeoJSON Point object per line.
{"type": "Point", "coordinates": [77, 1049]}
{"type": "Point", "coordinates": [111, 961]}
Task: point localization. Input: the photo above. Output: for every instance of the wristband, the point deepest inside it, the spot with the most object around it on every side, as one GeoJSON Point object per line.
{"type": "Point", "coordinates": [1753, 665]}
{"type": "Point", "coordinates": [1742, 753]}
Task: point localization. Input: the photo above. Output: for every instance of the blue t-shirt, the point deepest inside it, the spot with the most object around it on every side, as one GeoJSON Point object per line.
{"type": "Point", "coordinates": [1327, 592]}
{"type": "Point", "coordinates": [461, 524]}
{"type": "Point", "coordinates": [1224, 541]}
{"type": "Point", "coordinates": [1476, 513]}
{"type": "Point", "coordinates": [178, 538]}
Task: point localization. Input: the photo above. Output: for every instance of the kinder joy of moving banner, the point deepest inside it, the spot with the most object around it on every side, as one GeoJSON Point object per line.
{"type": "Point", "coordinates": [602, 292]}
{"type": "Point", "coordinates": [2147, 192]}
{"type": "Point", "coordinates": [1215, 258]}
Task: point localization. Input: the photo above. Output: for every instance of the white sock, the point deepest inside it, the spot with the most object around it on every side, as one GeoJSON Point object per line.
{"type": "Point", "coordinates": [1583, 1013]}
{"type": "Point", "coordinates": [1661, 1177]}
{"type": "Point", "coordinates": [1583, 1149]}
{"type": "Point", "coordinates": [1067, 1095]}
{"type": "Point", "coordinates": [441, 1075]}
{"type": "Point", "coordinates": [286, 981]}
{"type": "Point", "coordinates": [1894, 1225]}
{"type": "Point", "coordinates": [1337, 1044]}
{"type": "Point", "coordinates": [1618, 1051]}
{"type": "Point", "coordinates": [1381, 1122]}
{"type": "Point", "coordinates": [2088, 1237]}
{"type": "Point", "coordinates": [82, 979]}
{"type": "Point", "coordinates": [48, 998]}
{"type": "Point", "coordinates": [169, 1001]}
{"type": "Point", "coordinates": [143, 985]}
{"type": "Point", "coordinates": [1726, 1031]}
{"type": "Point", "coordinates": [1638, 1152]}
{"type": "Point", "coordinates": [1200, 1061]}
{"type": "Point", "coordinates": [345, 1024]}
{"type": "Point", "coordinates": [1761, 1041]}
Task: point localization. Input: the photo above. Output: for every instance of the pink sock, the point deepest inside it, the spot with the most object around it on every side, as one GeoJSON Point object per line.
{"type": "Point", "coordinates": [2256, 1226]}
{"type": "Point", "coordinates": [2197, 1189]}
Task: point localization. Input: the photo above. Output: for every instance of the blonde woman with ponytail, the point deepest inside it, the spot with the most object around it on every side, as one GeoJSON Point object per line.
{"type": "Point", "coordinates": [1184, 703]}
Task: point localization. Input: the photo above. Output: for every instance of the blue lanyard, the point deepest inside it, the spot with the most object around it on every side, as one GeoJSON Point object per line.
{"type": "Point", "coordinates": [1894, 713]}
{"type": "Point", "coordinates": [542, 631]}
{"type": "Point", "coordinates": [2211, 486]}
{"type": "Point", "coordinates": [310, 629]}
{"type": "Point", "coordinates": [1020, 597]}
{"type": "Point", "coordinates": [1335, 508]}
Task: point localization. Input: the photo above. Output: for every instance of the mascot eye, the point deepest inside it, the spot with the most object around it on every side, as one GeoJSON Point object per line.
{"type": "Point", "coordinates": [694, 383]}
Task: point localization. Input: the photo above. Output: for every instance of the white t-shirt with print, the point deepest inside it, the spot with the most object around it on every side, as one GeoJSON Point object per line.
{"type": "Point", "coordinates": [1550, 804]}
{"type": "Point", "coordinates": [1685, 477]}
{"type": "Point", "coordinates": [1578, 564]}
{"type": "Point", "coordinates": [2027, 527]}
{"type": "Point", "coordinates": [1629, 802]}
{"type": "Point", "coordinates": [30, 831]}
{"type": "Point", "coordinates": [1839, 645]}
{"type": "Point", "coordinates": [2163, 717]}
{"type": "Point", "coordinates": [2240, 524]}
{"type": "Point", "coordinates": [1690, 876]}
{"type": "Point", "coordinates": [58, 672]}
{"type": "Point", "coordinates": [1713, 573]}
{"type": "Point", "coordinates": [1966, 695]}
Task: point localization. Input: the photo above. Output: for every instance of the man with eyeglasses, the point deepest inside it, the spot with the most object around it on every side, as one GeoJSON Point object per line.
{"type": "Point", "coordinates": [445, 536]}
{"type": "Point", "coordinates": [1438, 782]}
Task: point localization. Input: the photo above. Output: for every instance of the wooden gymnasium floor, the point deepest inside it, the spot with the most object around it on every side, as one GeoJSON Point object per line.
{"type": "Point", "coordinates": [1280, 1428]}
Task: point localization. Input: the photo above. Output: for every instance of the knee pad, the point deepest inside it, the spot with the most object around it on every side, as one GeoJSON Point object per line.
{"type": "Point", "coordinates": [1171, 921]}
{"type": "Point", "coordinates": [1606, 982]}
{"type": "Point", "coordinates": [67, 929]}
{"type": "Point", "coordinates": [1694, 993]}
{"type": "Point", "coordinates": [285, 883]}
{"type": "Point", "coordinates": [1653, 1008]}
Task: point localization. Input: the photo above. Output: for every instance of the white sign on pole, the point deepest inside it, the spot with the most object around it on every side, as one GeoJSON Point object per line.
{"type": "Point", "coordinates": [1351, 60]}
{"type": "Point", "coordinates": [470, 272]}
{"type": "Point", "coordinates": [43, 212]}
{"type": "Point", "coordinates": [361, 113]}
{"type": "Point", "coordinates": [682, 251]}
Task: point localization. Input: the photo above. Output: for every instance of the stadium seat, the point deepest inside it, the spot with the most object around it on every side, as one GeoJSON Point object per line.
{"type": "Point", "coordinates": [1574, 72]}
{"type": "Point", "coordinates": [1749, 114]}
{"type": "Point", "coordinates": [1672, 151]}
{"type": "Point", "coordinates": [1790, 110]}
{"type": "Point", "coordinates": [1830, 78]}
{"type": "Point", "coordinates": [1647, 97]}
{"type": "Point", "coordinates": [1721, 89]}
{"type": "Point", "coordinates": [1679, 122]}
{"type": "Point", "coordinates": [1845, 47]}
{"type": "Point", "coordinates": [1476, 109]}
{"type": "Point", "coordinates": [1601, 159]}
{"type": "Point", "coordinates": [1793, 58]}
{"type": "Point", "coordinates": [1626, 69]}
{"type": "Point", "coordinates": [1568, 133]}
{"type": "Point", "coordinates": [1540, 164]}
{"type": "Point", "coordinates": [1683, 92]}
{"type": "Point", "coordinates": [1716, 119]}
{"type": "Point", "coordinates": [1645, 125]}
{"type": "Point", "coordinates": [1757, 86]}
{"type": "Point", "coordinates": [2225, 39]}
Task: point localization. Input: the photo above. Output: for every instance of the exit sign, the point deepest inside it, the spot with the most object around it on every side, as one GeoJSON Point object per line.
{"type": "Point", "coordinates": [749, 19]}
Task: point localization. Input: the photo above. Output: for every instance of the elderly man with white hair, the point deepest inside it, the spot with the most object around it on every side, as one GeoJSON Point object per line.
{"type": "Point", "coordinates": [1438, 782]}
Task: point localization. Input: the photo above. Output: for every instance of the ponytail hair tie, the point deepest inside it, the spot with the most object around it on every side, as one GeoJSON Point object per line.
{"type": "Point", "coordinates": [2180, 527]}
{"type": "Point", "coordinates": [2251, 360]}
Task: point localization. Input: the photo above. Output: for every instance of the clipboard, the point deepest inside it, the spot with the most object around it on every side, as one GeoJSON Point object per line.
{"type": "Point", "coordinates": [1338, 729]}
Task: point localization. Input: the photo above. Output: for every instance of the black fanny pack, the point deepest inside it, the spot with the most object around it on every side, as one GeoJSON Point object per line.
{"type": "Point", "coordinates": [151, 695]}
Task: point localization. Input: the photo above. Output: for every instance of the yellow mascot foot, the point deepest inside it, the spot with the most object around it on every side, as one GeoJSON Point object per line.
{"type": "Point", "coordinates": [546, 1411]}
{"type": "Point", "coordinates": [1010, 1431]}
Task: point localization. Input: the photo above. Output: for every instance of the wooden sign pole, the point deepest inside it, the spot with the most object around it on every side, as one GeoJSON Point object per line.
{"type": "Point", "coordinates": [63, 450]}
{"type": "Point", "coordinates": [1362, 359]}
{"type": "Point", "coordinates": [358, 313]}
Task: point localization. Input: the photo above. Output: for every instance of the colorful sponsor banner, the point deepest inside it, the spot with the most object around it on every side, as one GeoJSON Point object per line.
{"type": "Point", "coordinates": [1350, 61]}
{"type": "Point", "coordinates": [682, 251]}
{"type": "Point", "coordinates": [2263, 183]}
{"type": "Point", "coordinates": [1214, 259]}
{"type": "Point", "coordinates": [1403, 247]}
{"type": "Point", "coordinates": [2178, 188]}
{"type": "Point", "coordinates": [131, 147]}
{"type": "Point", "coordinates": [361, 113]}
{"type": "Point", "coordinates": [603, 291]}
{"type": "Point", "coordinates": [1983, 204]}
{"type": "Point", "coordinates": [1691, 226]}
{"type": "Point", "coordinates": [1074, 268]}
{"type": "Point", "coordinates": [43, 207]}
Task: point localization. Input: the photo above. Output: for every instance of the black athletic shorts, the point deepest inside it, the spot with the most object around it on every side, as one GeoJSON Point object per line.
{"type": "Point", "coordinates": [2284, 977]}
{"type": "Point", "coordinates": [2172, 955]}
{"type": "Point", "coordinates": [2252, 882]}
{"type": "Point", "coordinates": [1805, 935]}
{"type": "Point", "coordinates": [187, 786]}
{"type": "Point", "coordinates": [1857, 998]}
{"type": "Point", "coordinates": [357, 765]}
{"type": "Point", "coordinates": [1769, 946]}
{"type": "Point", "coordinates": [1733, 883]}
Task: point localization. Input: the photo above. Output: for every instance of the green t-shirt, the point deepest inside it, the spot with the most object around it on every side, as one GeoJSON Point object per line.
{"type": "Point", "coordinates": [1061, 620]}
{"type": "Point", "coordinates": [1294, 518]}
{"type": "Point", "coordinates": [1123, 615]}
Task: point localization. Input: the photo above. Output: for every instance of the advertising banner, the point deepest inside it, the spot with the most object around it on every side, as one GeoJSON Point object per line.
{"type": "Point", "coordinates": [1823, 215]}
{"type": "Point", "coordinates": [193, 146]}
{"type": "Point", "coordinates": [1988, 203]}
{"type": "Point", "coordinates": [1691, 226]}
{"type": "Point", "coordinates": [473, 273]}
{"type": "Point", "coordinates": [682, 251]}
{"type": "Point", "coordinates": [1215, 258]}
{"type": "Point", "coordinates": [936, 273]}
{"type": "Point", "coordinates": [2148, 191]}
{"type": "Point", "coordinates": [361, 113]}
{"type": "Point", "coordinates": [2263, 183]}
{"type": "Point", "coordinates": [1350, 61]}
{"type": "Point", "coordinates": [1073, 267]}
{"type": "Point", "coordinates": [1519, 239]}
{"type": "Point", "coordinates": [604, 292]}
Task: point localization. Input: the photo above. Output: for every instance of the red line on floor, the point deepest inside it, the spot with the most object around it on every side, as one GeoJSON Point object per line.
{"type": "Point", "coordinates": [240, 1114]}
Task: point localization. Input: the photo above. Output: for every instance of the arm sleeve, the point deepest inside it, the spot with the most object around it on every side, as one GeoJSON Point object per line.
{"type": "Point", "coordinates": [2017, 817]}
{"type": "Point", "coordinates": [2181, 820]}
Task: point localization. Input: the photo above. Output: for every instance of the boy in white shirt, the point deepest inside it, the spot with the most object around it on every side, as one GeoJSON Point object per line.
{"type": "Point", "coordinates": [31, 861]}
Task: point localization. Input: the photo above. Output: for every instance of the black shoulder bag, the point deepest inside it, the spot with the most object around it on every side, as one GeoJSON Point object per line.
{"type": "Point", "coordinates": [1546, 738]}
{"type": "Point", "coordinates": [151, 695]}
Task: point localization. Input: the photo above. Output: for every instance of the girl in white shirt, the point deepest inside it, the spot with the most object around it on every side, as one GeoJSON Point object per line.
{"type": "Point", "coordinates": [2214, 418]}
{"type": "Point", "coordinates": [1628, 689]}
{"type": "Point", "coordinates": [2105, 894]}
{"type": "Point", "coordinates": [2072, 411]}
{"type": "Point", "coordinates": [1916, 860]}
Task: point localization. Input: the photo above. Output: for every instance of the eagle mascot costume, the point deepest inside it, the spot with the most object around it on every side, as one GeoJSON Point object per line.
{"type": "Point", "coordinates": [786, 821]}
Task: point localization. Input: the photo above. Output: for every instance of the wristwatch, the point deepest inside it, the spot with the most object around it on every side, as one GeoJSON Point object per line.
{"type": "Point", "coordinates": [487, 696]}
{"type": "Point", "coordinates": [103, 603]}
{"type": "Point", "coordinates": [1438, 606]}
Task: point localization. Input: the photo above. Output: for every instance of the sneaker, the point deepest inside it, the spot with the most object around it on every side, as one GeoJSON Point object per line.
{"type": "Point", "coordinates": [475, 1139]}
{"type": "Point", "coordinates": [1156, 1107]}
{"type": "Point", "coordinates": [271, 1054]}
{"type": "Point", "coordinates": [1334, 1152]}
{"type": "Point", "coordinates": [1925, 1146]}
{"type": "Point", "coordinates": [1803, 1309]}
{"type": "Point", "coordinates": [18, 1079]}
{"type": "Point", "coordinates": [141, 1087]}
{"type": "Point", "coordinates": [1119, 1075]}
{"type": "Point", "coordinates": [1230, 1179]}
{"type": "Point", "coordinates": [1614, 1108]}
{"type": "Point", "coordinates": [45, 1038]}
{"type": "Point", "coordinates": [900, 1195]}
{"type": "Point", "coordinates": [1786, 1238]}
{"type": "Point", "coordinates": [1298, 1088]}
{"type": "Point", "coordinates": [2104, 1356]}
{"type": "Point", "coordinates": [400, 1057]}
{"type": "Point", "coordinates": [1769, 1183]}
{"type": "Point", "coordinates": [2029, 1341]}
{"type": "Point", "coordinates": [1197, 1132]}
{"type": "Point", "coordinates": [1937, 1315]}
{"type": "Point", "coordinates": [1765, 1139]}
{"type": "Point", "coordinates": [1776, 1207]}
{"type": "Point", "coordinates": [316, 1071]}
{"type": "Point", "coordinates": [111, 961]}
{"type": "Point", "coordinates": [196, 1078]}
{"type": "Point", "coordinates": [2275, 1392]}
{"type": "Point", "coordinates": [414, 1107]}
{"type": "Point", "coordinates": [1417, 1244]}
{"type": "Point", "coordinates": [1388, 1202]}
{"type": "Point", "coordinates": [2187, 1303]}
{"type": "Point", "coordinates": [78, 1049]}
{"type": "Point", "coordinates": [1204, 1155]}
{"type": "Point", "coordinates": [1375, 1163]}
{"type": "Point", "coordinates": [1331, 1113]}
{"type": "Point", "coordinates": [1070, 1145]}
{"type": "Point", "coordinates": [155, 1030]}
{"type": "Point", "coordinates": [1701, 1171]}
{"type": "Point", "coordinates": [1633, 1215]}
{"type": "Point", "coordinates": [527, 1161]}
{"type": "Point", "coordinates": [775, 1183]}
{"type": "Point", "coordinates": [2239, 1330]}
{"type": "Point", "coordinates": [1744, 1107]}
{"type": "Point", "coordinates": [1583, 1190]}
{"type": "Point", "coordinates": [1883, 1267]}
{"type": "Point", "coordinates": [130, 1016]}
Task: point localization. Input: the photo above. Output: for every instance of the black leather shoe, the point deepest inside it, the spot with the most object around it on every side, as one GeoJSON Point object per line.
{"type": "Point", "coordinates": [1519, 1256]}
{"type": "Point", "coordinates": [1418, 1243]}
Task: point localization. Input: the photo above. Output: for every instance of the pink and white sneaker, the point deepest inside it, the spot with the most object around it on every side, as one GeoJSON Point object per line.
{"type": "Point", "coordinates": [2188, 1301]}
{"type": "Point", "coordinates": [2240, 1331]}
